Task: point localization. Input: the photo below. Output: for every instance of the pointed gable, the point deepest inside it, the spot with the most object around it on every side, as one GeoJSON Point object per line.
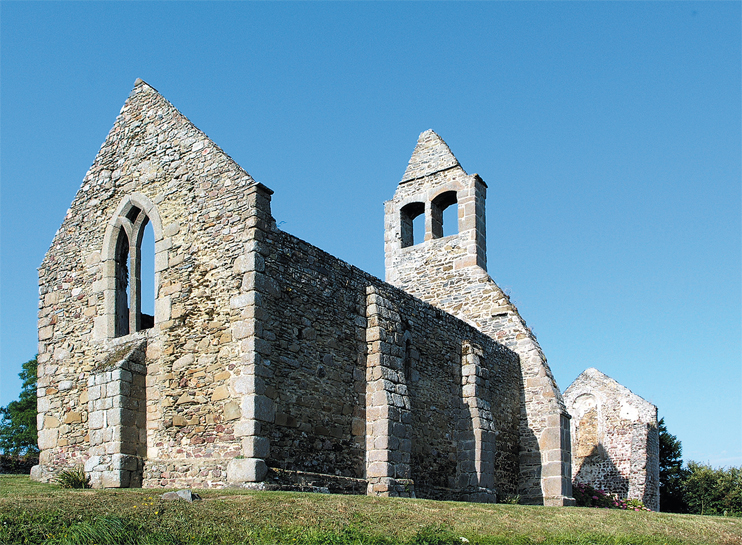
{"type": "Point", "coordinates": [155, 150]}
{"type": "Point", "coordinates": [147, 119]}
{"type": "Point", "coordinates": [593, 381]}
{"type": "Point", "coordinates": [431, 155]}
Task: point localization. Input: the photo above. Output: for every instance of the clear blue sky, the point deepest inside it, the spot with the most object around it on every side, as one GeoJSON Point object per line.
{"type": "Point", "coordinates": [609, 135]}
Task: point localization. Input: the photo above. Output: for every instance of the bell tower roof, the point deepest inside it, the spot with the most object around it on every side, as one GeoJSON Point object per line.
{"type": "Point", "coordinates": [431, 155]}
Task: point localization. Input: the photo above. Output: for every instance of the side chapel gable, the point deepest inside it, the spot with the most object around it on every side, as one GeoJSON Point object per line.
{"type": "Point", "coordinates": [615, 438]}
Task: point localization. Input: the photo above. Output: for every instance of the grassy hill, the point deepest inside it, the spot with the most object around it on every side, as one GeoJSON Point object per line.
{"type": "Point", "coordinates": [37, 513]}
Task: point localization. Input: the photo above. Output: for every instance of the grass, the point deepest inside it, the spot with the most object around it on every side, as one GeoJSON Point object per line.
{"type": "Point", "coordinates": [41, 513]}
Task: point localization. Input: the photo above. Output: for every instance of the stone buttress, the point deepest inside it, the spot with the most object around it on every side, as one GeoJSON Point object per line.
{"type": "Point", "coordinates": [450, 273]}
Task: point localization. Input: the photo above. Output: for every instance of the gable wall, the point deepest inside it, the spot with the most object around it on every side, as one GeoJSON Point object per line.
{"type": "Point", "coordinates": [155, 152]}
{"type": "Point", "coordinates": [615, 438]}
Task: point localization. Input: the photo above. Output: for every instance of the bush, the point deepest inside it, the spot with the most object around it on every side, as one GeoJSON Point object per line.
{"type": "Point", "coordinates": [587, 496]}
{"type": "Point", "coordinates": [709, 491]}
{"type": "Point", "coordinates": [73, 478]}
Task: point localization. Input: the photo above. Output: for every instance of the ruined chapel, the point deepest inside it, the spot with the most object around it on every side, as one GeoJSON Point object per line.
{"type": "Point", "coordinates": [270, 363]}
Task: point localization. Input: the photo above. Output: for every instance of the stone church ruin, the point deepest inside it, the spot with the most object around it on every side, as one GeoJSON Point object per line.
{"type": "Point", "coordinates": [269, 362]}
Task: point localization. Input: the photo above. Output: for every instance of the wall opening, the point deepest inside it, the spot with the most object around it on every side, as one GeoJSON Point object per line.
{"type": "Point", "coordinates": [135, 273]}
{"type": "Point", "coordinates": [444, 215]}
{"type": "Point", "coordinates": [412, 222]}
{"type": "Point", "coordinates": [122, 284]}
{"type": "Point", "coordinates": [147, 277]}
{"type": "Point", "coordinates": [407, 361]}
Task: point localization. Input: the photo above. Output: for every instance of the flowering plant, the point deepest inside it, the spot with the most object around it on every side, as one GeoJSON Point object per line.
{"type": "Point", "coordinates": [587, 496]}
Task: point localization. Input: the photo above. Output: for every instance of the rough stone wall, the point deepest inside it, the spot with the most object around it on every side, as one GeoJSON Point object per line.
{"type": "Point", "coordinates": [615, 438]}
{"type": "Point", "coordinates": [264, 351]}
{"type": "Point", "coordinates": [449, 272]}
{"type": "Point", "coordinates": [366, 381]}
{"type": "Point", "coordinates": [156, 162]}
{"type": "Point", "coordinates": [270, 360]}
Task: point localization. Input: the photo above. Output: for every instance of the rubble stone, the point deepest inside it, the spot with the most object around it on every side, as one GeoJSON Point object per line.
{"type": "Point", "coordinates": [269, 359]}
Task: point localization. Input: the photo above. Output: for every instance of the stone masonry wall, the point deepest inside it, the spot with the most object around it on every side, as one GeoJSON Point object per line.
{"type": "Point", "coordinates": [193, 195]}
{"type": "Point", "coordinates": [360, 371]}
{"type": "Point", "coordinates": [449, 273]}
{"type": "Point", "coordinates": [615, 438]}
{"type": "Point", "coordinates": [264, 351]}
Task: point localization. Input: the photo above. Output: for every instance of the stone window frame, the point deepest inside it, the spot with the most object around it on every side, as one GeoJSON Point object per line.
{"type": "Point", "coordinates": [126, 218]}
{"type": "Point", "coordinates": [438, 204]}
{"type": "Point", "coordinates": [432, 204]}
{"type": "Point", "coordinates": [407, 214]}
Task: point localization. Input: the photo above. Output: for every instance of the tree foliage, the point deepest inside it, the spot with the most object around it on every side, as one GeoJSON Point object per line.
{"type": "Point", "coordinates": [672, 472]}
{"type": "Point", "coordinates": [18, 420]}
{"type": "Point", "coordinates": [710, 491]}
{"type": "Point", "coordinates": [698, 488]}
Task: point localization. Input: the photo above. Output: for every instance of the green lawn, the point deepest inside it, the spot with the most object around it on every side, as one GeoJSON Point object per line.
{"type": "Point", "coordinates": [39, 513]}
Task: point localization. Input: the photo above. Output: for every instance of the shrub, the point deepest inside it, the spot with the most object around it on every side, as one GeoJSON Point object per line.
{"type": "Point", "coordinates": [710, 491]}
{"type": "Point", "coordinates": [73, 478]}
{"type": "Point", "coordinates": [587, 496]}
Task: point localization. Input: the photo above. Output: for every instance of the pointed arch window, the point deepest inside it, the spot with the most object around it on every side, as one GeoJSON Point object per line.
{"type": "Point", "coordinates": [129, 316]}
{"type": "Point", "coordinates": [122, 257]}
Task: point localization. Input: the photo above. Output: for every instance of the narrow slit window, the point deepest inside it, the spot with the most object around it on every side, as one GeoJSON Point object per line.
{"type": "Point", "coordinates": [147, 256]}
{"type": "Point", "coordinates": [408, 361]}
{"type": "Point", "coordinates": [122, 284]}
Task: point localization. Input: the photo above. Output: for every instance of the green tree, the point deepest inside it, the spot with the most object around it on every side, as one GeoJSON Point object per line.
{"type": "Point", "coordinates": [18, 420]}
{"type": "Point", "coordinates": [710, 491]}
{"type": "Point", "coordinates": [672, 473]}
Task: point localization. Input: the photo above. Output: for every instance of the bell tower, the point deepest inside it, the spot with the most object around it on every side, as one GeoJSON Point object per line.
{"type": "Point", "coordinates": [450, 272]}
{"type": "Point", "coordinates": [433, 181]}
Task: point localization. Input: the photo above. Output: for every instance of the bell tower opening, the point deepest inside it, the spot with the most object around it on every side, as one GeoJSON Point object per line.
{"type": "Point", "coordinates": [412, 223]}
{"type": "Point", "coordinates": [444, 215]}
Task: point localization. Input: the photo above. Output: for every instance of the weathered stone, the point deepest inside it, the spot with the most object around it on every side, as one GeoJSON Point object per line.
{"type": "Point", "coordinates": [187, 495]}
{"type": "Point", "coordinates": [246, 470]}
{"type": "Point", "coordinates": [263, 348]}
{"type": "Point", "coordinates": [72, 417]}
{"type": "Point", "coordinates": [615, 438]}
{"type": "Point", "coordinates": [220, 393]}
{"type": "Point", "coordinates": [232, 411]}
